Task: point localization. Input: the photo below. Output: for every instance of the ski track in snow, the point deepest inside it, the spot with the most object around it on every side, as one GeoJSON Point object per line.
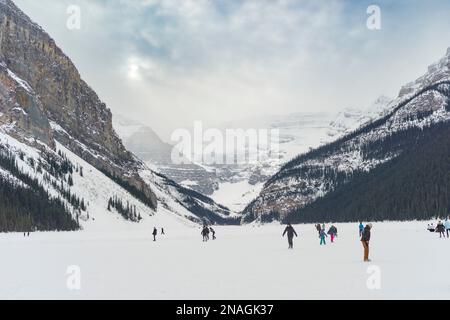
{"type": "Point", "coordinates": [246, 262]}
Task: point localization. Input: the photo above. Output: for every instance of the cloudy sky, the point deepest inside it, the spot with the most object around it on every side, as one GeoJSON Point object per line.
{"type": "Point", "coordinates": [170, 62]}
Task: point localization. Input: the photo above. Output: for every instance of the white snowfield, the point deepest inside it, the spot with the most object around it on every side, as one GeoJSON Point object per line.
{"type": "Point", "coordinates": [248, 262]}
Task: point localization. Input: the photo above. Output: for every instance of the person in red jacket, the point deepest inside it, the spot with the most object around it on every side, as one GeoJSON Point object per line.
{"type": "Point", "coordinates": [332, 232]}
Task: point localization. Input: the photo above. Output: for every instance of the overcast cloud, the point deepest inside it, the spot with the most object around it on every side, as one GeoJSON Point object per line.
{"type": "Point", "coordinates": [169, 62]}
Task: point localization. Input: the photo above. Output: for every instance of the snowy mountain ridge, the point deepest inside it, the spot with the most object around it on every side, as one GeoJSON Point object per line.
{"type": "Point", "coordinates": [352, 118]}
{"type": "Point", "coordinates": [311, 176]}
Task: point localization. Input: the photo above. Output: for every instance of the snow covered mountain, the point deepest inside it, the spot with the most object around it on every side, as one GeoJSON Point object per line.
{"type": "Point", "coordinates": [148, 146]}
{"type": "Point", "coordinates": [142, 140]}
{"type": "Point", "coordinates": [52, 124]}
{"type": "Point", "coordinates": [393, 167]}
{"type": "Point", "coordinates": [231, 184]}
{"type": "Point", "coordinates": [350, 119]}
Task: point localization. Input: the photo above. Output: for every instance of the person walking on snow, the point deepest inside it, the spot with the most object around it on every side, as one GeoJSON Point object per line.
{"type": "Point", "coordinates": [322, 237]}
{"type": "Point", "coordinates": [162, 231]}
{"type": "Point", "coordinates": [361, 229]}
{"type": "Point", "coordinates": [318, 228]}
{"type": "Point", "coordinates": [365, 238]}
{"type": "Point", "coordinates": [204, 233]}
{"type": "Point", "coordinates": [441, 229]}
{"type": "Point", "coordinates": [213, 233]}
{"type": "Point", "coordinates": [447, 226]}
{"type": "Point", "coordinates": [332, 232]}
{"type": "Point", "coordinates": [207, 233]}
{"type": "Point", "coordinates": [290, 235]}
{"type": "Point", "coordinates": [154, 233]}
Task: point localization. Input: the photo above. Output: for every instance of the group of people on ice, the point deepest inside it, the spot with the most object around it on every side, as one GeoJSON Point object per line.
{"type": "Point", "coordinates": [206, 231]}
{"type": "Point", "coordinates": [364, 233]}
{"type": "Point", "coordinates": [442, 228]}
{"type": "Point", "coordinates": [155, 233]}
{"type": "Point", "coordinates": [332, 232]}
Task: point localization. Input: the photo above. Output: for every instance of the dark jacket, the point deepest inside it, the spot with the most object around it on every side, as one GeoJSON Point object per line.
{"type": "Point", "coordinates": [440, 227]}
{"type": "Point", "coordinates": [290, 232]}
{"type": "Point", "coordinates": [205, 231]}
{"type": "Point", "coordinates": [366, 234]}
{"type": "Point", "coordinates": [155, 232]}
{"type": "Point", "coordinates": [332, 230]}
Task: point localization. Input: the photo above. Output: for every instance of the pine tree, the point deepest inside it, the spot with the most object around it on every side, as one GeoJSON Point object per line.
{"type": "Point", "coordinates": [70, 180]}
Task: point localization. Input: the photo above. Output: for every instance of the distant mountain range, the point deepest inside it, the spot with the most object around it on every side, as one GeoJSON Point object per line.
{"type": "Point", "coordinates": [236, 185]}
{"type": "Point", "coordinates": [64, 167]}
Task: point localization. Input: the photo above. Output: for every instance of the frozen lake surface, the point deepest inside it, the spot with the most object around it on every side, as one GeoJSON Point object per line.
{"type": "Point", "coordinates": [248, 262]}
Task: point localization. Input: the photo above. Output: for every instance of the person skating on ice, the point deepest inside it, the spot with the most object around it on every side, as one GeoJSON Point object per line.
{"type": "Point", "coordinates": [213, 233]}
{"type": "Point", "coordinates": [204, 233]}
{"type": "Point", "coordinates": [290, 235]}
{"type": "Point", "coordinates": [365, 238]}
{"type": "Point", "coordinates": [332, 232]}
{"type": "Point", "coordinates": [322, 237]}
{"type": "Point", "coordinates": [318, 228]}
{"type": "Point", "coordinates": [154, 233]}
{"type": "Point", "coordinates": [447, 226]}
{"type": "Point", "coordinates": [441, 229]}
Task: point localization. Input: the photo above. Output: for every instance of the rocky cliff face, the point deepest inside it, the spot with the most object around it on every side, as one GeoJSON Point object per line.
{"type": "Point", "coordinates": [84, 123]}
{"type": "Point", "coordinates": [20, 108]}
{"type": "Point", "coordinates": [45, 104]}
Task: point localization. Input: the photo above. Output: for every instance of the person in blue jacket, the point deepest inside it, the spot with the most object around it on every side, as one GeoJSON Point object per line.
{"type": "Point", "coordinates": [322, 237]}
{"type": "Point", "coordinates": [447, 226]}
{"type": "Point", "coordinates": [361, 229]}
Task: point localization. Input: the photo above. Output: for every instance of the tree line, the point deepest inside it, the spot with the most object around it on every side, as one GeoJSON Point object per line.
{"type": "Point", "coordinates": [413, 185]}
{"type": "Point", "coordinates": [127, 211]}
{"type": "Point", "coordinates": [26, 206]}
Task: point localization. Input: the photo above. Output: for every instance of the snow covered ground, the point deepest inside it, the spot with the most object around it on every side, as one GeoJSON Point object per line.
{"type": "Point", "coordinates": [248, 262]}
{"type": "Point", "coordinates": [236, 196]}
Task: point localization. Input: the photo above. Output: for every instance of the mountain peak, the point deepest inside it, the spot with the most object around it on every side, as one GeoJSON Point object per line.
{"type": "Point", "coordinates": [436, 72]}
{"type": "Point", "coordinates": [9, 8]}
